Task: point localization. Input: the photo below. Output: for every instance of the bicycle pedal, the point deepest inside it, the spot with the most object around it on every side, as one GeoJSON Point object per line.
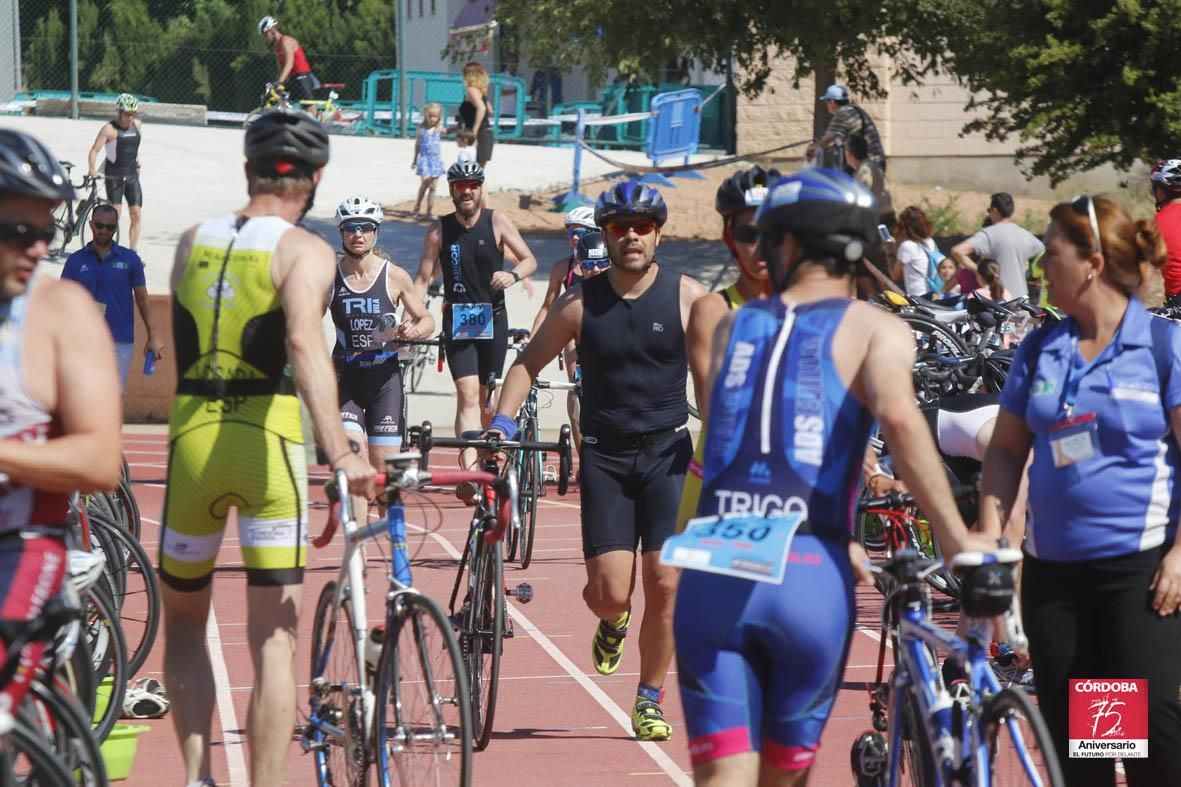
{"type": "Point", "coordinates": [523, 593]}
{"type": "Point", "coordinates": [549, 474]}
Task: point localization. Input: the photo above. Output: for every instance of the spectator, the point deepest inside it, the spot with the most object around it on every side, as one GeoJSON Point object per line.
{"type": "Point", "coordinates": [951, 284]}
{"type": "Point", "coordinates": [475, 113]}
{"type": "Point", "coordinates": [914, 262]}
{"type": "Point", "coordinates": [546, 87]}
{"type": "Point", "coordinates": [508, 92]}
{"type": "Point", "coordinates": [988, 272]}
{"type": "Point", "coordinates": [114, 275]}
{"type": "Point", "coordinates": [848, 119]}
{"type": "Point", "coordinates": [1005, 241]}
{"type": "Point", "coordinates": [1166, 191]}
{"type": "Point", "coordinates": [870, 175]}
{"type": "Point", "coordinates": [1097, 397]}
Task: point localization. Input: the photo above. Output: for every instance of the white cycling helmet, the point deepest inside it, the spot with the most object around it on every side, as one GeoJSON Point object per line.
{"type": "Point", "coordinates": [582, 217]}
{"type": "Point", "coordinates": [266, 23]}
{"type": "Point", "coordinates": [359, 208]}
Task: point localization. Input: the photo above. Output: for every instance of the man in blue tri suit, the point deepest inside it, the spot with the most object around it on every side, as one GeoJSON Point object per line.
{"type": "Point", "coordinates": [796, 382]}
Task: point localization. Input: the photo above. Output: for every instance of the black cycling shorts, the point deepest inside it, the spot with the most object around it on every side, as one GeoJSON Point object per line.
{"type": "Point", "coordinates": [372, 402]}
{"type": "Point", "coordinates": [119, 186]}
{"type": "Point", "coordinates": [301, 87]}
{"type": "Point", "coordinates": [478, 358]}
{"type": "Point", "coordinates": [631, 489]}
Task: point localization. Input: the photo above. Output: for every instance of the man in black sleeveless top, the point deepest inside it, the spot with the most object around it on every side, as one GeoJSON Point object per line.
{"type": "Point", "coordinates": [120, 140]}
{"type": "Point", "coordinates": [630, 330]}
{"type": "Point", "coordinates": [468, 247]}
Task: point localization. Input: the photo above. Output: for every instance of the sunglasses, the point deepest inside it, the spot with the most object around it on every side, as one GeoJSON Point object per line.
{"type": "Point", "coordinates": [23, 236]}
{"type": "Point", "coordinates": [98, 225]}
{"type": "Point", "coordinates": [596, 265]}
{"type": "Point", "coordinates": [621, 228]}
{"type": "Point", "coordinates": [351, 227]}
{"type": "Point", "coordinates": [1084, 205]}
{"type": "Point", "coordinates": [576, 233]}
{"type": "Point", "coordinates": [470, 185]}
{"type": "Point", "coordinates": [747, 233]}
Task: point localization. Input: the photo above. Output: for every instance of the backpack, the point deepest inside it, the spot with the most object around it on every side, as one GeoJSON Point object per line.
{"type": "Point", "coordinates": [934, 257]}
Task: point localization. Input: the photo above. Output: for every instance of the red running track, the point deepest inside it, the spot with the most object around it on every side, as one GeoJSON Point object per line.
{"type": "Point", "coordinates": [557, 721]}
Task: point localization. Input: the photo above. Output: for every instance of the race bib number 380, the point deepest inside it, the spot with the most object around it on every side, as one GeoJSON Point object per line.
{"type": "Point", "coordinates": [471, 321]}
{"type": "Point", "coordinates": [737, 545]}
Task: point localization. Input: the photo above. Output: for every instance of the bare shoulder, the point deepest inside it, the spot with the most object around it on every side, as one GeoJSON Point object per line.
{"type": "Point", "coordinates": [63, 297]}
{"type": "Point", "coordinates": [569, 303]}
{"type": "Point", "coordinates": [708, 310]}
{"type": "Point", "coordinates": [396, 275]}
{"type": "Point", "coordinates": [692, 288]}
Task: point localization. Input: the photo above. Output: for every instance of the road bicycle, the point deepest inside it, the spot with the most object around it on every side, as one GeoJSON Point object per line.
{"type": "Point", "coordinates": [986, 735]}
{"type": "Point", "coordinates": [479, 615]}
{"type": "Point", "coordinates": [275, 96]}
{"type": "Point", "coordinates": [528, 465]}
{"type": "Point", "coordinates": [412, 716]}
{"type": "Point", "coordinates": [71, 221]}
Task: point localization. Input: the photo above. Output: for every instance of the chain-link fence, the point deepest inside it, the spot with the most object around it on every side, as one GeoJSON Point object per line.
{"type": "Point", "coordinates": [204, 52]}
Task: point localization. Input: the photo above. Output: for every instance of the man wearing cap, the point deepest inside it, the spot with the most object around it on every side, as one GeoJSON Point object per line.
{"type": "Point", "coordinates": [847, 119]}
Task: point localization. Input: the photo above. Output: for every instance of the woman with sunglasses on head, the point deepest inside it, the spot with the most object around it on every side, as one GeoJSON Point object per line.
{"type": "Point", "coordinates": [368, 285]}
{"type": "Point", "coordinates": [1097, 398]}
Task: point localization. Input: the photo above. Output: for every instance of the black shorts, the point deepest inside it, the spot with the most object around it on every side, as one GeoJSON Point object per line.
{"type": "Point", "coordinates": [484, 143]}
{"type": "Point", "coordinates": [301, 87]}
{"type": "Point", "coordinates": [478, 358]}
{"type": "Point", "coordinates": [119, 186]}
{"type": "Point", "coordinates": [631, 490]}
{"type": "Point", "coordinates": [372, 402]}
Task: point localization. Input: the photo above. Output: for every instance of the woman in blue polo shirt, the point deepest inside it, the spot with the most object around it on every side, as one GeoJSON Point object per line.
{"type": "Point", "coordinates": [1094, 397]}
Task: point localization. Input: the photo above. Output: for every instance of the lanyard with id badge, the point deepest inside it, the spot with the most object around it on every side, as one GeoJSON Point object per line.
{"type": "Point", "coordinates": [471, 321]}
{"type": "Point", "coordinates": [735, 545]}
{"type": "Point", "coordinates": [1074, 437]}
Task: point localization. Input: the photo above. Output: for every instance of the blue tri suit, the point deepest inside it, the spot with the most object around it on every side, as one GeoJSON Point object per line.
{"type": "Point", "coordinates": [759, 663]}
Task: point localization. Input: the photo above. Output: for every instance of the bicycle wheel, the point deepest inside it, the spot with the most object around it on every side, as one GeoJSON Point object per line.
{"type": "Point", "coordinates": [918, 763]}
{"type": "Point", "coordinates": [485, 635]}
{"type": "Point", "coordinates": [50, 708]}
{"type": "Point", "coordinates": [139, 599]}
{"type": "Point", "coordinates": [125, 500]}
{"type": "Point", "coordinates": [417, 367]}
{"type": "Point", "coordinates": [26, 759]}
{"type": "Point", "coordinates": [423, 711]}
{"type": "Point", "coordinates": [108, 651]}
{"type": "Point", "coordinates": [63, 222]}
{"type": "Point", "coordinates": [531, 480]}
{"type": "Point", "coordinates": [933, 337]}
{"type": "Point", "coordinates": [82, 223]}
{"type": "Point", "coordinates": [1020, 750]}
{"type": "Point", "coordinates": [336, 694]}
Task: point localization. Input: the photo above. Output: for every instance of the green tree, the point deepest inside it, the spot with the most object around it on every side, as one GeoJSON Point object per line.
{"type": "Point", "coordinates": [1080, 83]}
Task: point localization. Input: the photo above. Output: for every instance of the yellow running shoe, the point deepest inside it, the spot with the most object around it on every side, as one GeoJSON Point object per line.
{"type": "Point", "coordinates": [648, 721]}
{"type": "Point", "coordinates": [607, 646]}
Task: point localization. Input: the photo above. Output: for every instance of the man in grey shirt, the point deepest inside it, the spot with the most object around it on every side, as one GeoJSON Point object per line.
{"type": "Point", "coordinates": [1008, 243]}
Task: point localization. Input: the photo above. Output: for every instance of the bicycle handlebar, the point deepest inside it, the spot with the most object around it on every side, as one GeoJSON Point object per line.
{"type": "Point", "coordinates": [422, 437]}
{"type": "Point", "coordinates": [896, 500]}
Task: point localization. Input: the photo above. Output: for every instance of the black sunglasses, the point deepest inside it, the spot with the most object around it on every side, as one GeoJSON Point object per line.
{"type": "Point", "coordinates": [98, 225]}
{"type": "Point", "coordinates": [24, 235]}
{"type": "Point", "coordinates": [747, 233]}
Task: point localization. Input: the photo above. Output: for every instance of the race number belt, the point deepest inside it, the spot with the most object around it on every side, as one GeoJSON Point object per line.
{"type": "Point", "coordinates": [471, 321]}
{"type": "Point", "coordinates": [736, 545]}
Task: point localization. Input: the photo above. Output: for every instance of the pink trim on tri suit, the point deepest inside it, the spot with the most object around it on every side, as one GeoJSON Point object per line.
{"type": "Point", "coordinates": [716, 745]}
{"type": "Point", "coordinates": [788, 757]}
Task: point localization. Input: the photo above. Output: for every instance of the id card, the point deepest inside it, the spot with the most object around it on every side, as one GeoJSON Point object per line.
{"type": "Point", "coordinates": [1074, 440]}
{"type": "Point", "coordinates": [737, 545]}
{"type": "Point", "coordinates": [471, 321]}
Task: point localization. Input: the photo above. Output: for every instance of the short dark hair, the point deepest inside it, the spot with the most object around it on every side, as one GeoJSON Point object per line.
{"type": "Point", "coordinates": [1002, 203]}
{"type": "Point", "coordinates": [858, 147]}
{"type": "Point", "coordinates": [104, 207]}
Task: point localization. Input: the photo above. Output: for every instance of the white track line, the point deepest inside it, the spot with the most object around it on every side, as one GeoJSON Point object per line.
{"type": "Point", "coordinates": [658, 756]}
{"type": "Point", "coordinates": [232, 739]}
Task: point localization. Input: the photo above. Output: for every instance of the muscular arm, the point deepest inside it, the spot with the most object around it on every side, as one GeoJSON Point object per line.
{"type": "Point", "coordinates": [104, 134]}
{"type": "Point", "coordinates": [428, 263]}
{"type": "Point", "coordinates": [962, 254]}
{"type": "Point", "coordinates": [85, 385]}
{"type": "Point", "coordinates": [422, 323]}
{"type": "Point", "coordinates": [889, 395]}
{"type": "Point", "coordinates": [304, 284]}
{"type": "Point", "coordinates": [1004, 465]}
{"type": "Point", "coordinates": [288, 53]}
{"type": "Point", "coordinates": [559, 329]}
{"type": "Point", "coordinates": [552, 292]}
{"type": "Point", "coordinates": [511, 242]}
{"type": "Point", "coordinates": [721, 341]}
{"type": "Point", "coordinates": [704, 316]}
{"type": "Point", "coordinates": [141, 301]}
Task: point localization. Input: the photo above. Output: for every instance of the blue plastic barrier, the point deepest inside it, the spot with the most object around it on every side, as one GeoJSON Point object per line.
{"type": "Point", "coordinates": [674, 131]}
{"type": "Point", "coordinates": [379, 98]}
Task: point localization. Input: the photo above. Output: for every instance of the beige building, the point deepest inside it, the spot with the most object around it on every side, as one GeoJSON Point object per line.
{"type": "Point", "coordinates": [920, 128]}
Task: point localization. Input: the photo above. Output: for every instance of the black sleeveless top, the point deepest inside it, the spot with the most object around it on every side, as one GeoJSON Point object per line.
{"type": "Point", "coordinates": [123, 151]}
{"type": "Point", "coordinates": [356, 316]}
{"type": "Point", "coordinates": [632, 353]}
{"type": "Point", "coordinates": [468, 258]}
{"type": "Point", "coordinates": [467, 115]}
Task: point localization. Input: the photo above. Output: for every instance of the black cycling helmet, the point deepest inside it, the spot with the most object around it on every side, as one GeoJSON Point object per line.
{"type": "Point", "coordinates": [27, 168]}
{"type": "Point", "coordinates": [830, 215]}
{"type": "Point", "coordinates": [465, 171]}
{"type": "Point", "coordinates": [746, 188]}
{"type": "Point", "coordinates": [630, 199]}
{"type": "Point", "coordinates": [286, 136]}
{"type": "Point", "coordinates": [591, 248]}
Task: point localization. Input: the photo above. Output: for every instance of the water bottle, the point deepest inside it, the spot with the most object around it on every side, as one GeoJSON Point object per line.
{"type": "Point", "coordinates": [373, 654]}
{"type": "Point", "coordinates": [149, 363]}
{"type": "Point", "coordinates": [401, 558]}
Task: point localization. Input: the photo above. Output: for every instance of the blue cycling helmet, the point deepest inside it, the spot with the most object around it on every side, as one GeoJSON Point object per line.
{"type": "Point", "coordinates": [829, 214]}
{"type": "Point", "coordinates": [630, 199]}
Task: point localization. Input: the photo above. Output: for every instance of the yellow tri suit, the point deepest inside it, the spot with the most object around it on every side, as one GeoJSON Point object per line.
{"type": "Point", "coordinates": [234, 433]}
{"type": "Point", "coordinates": [691, 492]}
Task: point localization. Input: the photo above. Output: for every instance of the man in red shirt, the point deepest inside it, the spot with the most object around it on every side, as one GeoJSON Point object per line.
{"type": "Point", "coordinates": [294, 72]}
{"type": "Point", "coordinates": [1166, 190]}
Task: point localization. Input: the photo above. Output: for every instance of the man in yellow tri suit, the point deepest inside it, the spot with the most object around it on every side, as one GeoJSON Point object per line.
{"type": "Point", "coordinates": [249, 290]}
{"type": "Point", "coordinates": [737, 199]}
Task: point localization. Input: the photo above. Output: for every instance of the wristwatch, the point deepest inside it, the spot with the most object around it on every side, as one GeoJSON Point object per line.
{"type": "Point", "coordinates": [515, 275]}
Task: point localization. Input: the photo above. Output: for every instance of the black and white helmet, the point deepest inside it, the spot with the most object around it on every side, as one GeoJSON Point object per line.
{"type": "Point", "coordinates": [465, 171]}
{"type": "Point", "coordinates": [27, 168]}
{"type": "Point", "coordinates": [358, 208]}
{"type": "Point", "coordinates": [1167, 173]}
{"type": "Point", "coordinates": [266, 23]}
{"type": "Point", "coordinates": [746, 188]}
